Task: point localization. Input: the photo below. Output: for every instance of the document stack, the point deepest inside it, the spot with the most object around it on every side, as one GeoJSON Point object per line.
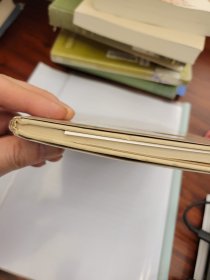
{"type": "Point", "coordinates": [136, 43]}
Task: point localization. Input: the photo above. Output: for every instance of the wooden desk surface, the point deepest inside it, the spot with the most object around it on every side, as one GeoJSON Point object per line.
{"type": "Point", "coordinates": [29, 40]}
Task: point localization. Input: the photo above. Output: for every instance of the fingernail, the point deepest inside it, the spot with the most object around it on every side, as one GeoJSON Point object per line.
{"type": "Point", "coordinates": [69, 111]}
{"type": "Point", "coordinates": [39, 164]}
{"type": "Point", "coordinates": [54, 159]}
{"type": "Point", "coordinates": [59, 111]}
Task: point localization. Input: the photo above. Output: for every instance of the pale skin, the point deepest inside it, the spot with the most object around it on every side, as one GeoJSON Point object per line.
{"type": "Point", "coordinates": [18, 96]}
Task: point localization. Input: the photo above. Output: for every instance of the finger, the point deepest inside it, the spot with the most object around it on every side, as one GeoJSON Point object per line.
{"type": "Point", "coordinates": [56, 158]}
{"type": "Point", "coordinates": [38, 91]}
{"type": "Point", "coordinates": [17, 153]}
{"type": "Point", "coordinates": [34, 89]}
{"type": "Point", "coordinates": [17, 98]}
{"type": "Point", "coordinates": [39, 164]}
{"type": "Point", "coordinates": [207, 134]}
{"type": "Point", "coordinates": [44, 162]}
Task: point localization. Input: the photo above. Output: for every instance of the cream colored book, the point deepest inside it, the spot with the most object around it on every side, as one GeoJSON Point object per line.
{"type": "Point", "coordinates": [178, 45]}
{"type": "Point", "coordinates": [190, 153]}
{"type": "Point", "coordinates": [190, 16]}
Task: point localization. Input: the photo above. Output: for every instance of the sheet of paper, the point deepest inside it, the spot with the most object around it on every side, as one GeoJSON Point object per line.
{"type": "Point", "coordinates": [86, 217]}
{"type": "Point", "coordinates": [90, 217]}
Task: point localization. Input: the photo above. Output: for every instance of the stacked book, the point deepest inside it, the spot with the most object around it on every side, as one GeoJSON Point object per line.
{"type": "Point", "coordinates": [8, 13]}
{"type": "Point", "coordinates": [147, 45]}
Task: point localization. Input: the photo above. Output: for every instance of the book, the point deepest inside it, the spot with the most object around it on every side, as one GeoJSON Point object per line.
{"type": "Point", "coordinates": [190, 153]}
{"type": "Point", "coordinates": [8, 13]}
{"type": "Point", "coordinates": [189, 16]}
{"type": "Point", "coordinates": [203, 247]}
{"type": "Point", "coordinates": [178, 45]}
{"type": "Point", "coordinates": [162, 90]}
{"type": "Point", "coordinates": [82, 52]}
{"type": "Point", "coordinates": [88, 216]}
{"type": "Point", "coordinates": [60, 15]}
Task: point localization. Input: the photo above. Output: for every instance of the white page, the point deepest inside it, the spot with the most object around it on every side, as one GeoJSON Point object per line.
{"type": "Point", "coordinates": [88, 217]}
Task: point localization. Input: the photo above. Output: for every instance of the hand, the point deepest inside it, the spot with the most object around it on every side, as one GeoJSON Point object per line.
{"type": "Point", "coordinates": [18, 96]}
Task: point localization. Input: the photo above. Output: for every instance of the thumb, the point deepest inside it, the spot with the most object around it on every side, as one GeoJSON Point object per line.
{"type": "Point", "coordinates": [17, 153]}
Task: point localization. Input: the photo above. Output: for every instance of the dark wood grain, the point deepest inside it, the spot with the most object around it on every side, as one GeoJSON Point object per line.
{"type": "Point", "coordinates": [194, 186]}
{"type": "Point", "coordinates": [29, 40]}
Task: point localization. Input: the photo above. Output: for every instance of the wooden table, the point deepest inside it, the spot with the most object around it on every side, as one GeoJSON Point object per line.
{"type": "Point", "coordinates": [29, 40]}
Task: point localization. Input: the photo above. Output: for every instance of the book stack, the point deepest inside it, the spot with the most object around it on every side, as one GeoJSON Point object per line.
{"type": "Point", "coordinates": [139, 44]}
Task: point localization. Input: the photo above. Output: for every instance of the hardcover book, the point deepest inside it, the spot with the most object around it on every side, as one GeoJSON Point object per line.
{"type": "Point", "coordinates": [81, 52]}
{"type": "Point", "coordinates": [162, 90]}
{"type": "Point", "coordinates": [190, 153]}
{"type": "Point", "coordinates": [186, 15]}
{"type": "Point", "coordinates": [178, 45]}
